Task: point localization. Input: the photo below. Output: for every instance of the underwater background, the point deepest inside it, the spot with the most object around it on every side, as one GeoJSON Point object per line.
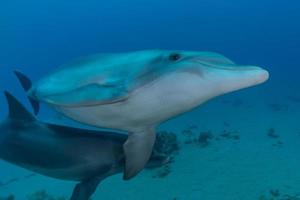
{"type": "Point", "coordinates": [241, 146]}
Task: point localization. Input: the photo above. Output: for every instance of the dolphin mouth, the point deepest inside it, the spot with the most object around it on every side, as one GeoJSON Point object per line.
{"type": "Point", "coordinates": [256, 74]}
{"type": "Point", "coordinates": [237, 68]}
{"type": "Point", "coordinates": [230, 67]}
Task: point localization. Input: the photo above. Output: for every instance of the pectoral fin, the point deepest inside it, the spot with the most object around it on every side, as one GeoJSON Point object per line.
{"type": "Point", "coordinates": [138, 149]}
{"type": "Point", "coordinates": [85, 189]}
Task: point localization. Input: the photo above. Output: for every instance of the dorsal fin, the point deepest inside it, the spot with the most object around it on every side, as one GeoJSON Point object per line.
{"type": "Point", "coordinates": [26, 84]}
{"type": "Point", "coordinates": [16, 110]}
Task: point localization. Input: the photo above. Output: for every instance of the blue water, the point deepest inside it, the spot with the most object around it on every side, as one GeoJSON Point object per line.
{"type": "Point", "coordinates": [38, 36]}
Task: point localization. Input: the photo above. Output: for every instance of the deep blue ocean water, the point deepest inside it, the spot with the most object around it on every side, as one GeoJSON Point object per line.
{"type": "Point", "coordinates": [38, 36]}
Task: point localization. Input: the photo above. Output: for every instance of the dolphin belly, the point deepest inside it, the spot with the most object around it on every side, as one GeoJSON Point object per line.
{"type": "Point", "coordinates": [146, 106]}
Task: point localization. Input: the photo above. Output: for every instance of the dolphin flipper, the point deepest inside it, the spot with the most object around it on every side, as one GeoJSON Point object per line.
{"type": "Point", "coordinates": [138, 149]}
{"type": "Point", "coordinates": [85, 189]}
{"type": "Point", "coordinates": [27, 84]}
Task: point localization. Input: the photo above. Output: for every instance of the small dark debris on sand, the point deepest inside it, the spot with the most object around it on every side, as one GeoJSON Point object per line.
{"type": "Point", "coordinates": [43, 195]}
{"type": "Point", "coordinates": [162, 172]}
{"type": "Point", "coordinates": [204, 138]}
{"type": "Point", "coordinates": [201, 138]}
{"type": "Point", "coordinates": [275, 194]}
{"type": "Point", "coordinates": [166, 143]}
{"type": "Point", "coordinates": [234, 135]}
{"type": "Point", "coordinates": [272, 133]}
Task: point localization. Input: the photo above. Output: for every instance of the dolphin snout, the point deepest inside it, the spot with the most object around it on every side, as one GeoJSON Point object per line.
{"type": "Point", "coordinates": [234, 78]}
{"type": "Point", "coordinates": [262, 75]}
{"type": "Point", "coordinates": [257, 74]}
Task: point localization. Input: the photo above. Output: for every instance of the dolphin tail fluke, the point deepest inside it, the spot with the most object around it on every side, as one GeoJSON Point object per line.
{"type": "Point", "coordinates": [16, 110]}
{"type": "Point", "coordinates": [138, 149]}
{"type": "Point", "coordinates": [85, 189]}
{"type": "Point", "coordinates": [27, 84]}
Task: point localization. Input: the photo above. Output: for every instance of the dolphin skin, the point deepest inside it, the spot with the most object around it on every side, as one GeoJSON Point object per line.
{"type": "Point", "coordinates": [62, 152]}
{"type": "Point", "coordinates": [137, 91]}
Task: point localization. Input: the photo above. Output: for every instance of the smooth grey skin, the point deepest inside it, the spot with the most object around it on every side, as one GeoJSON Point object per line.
{"type": "Point", "coordinates": [62, 152]}
{"type": "Point", "coordinates": [137, 91]}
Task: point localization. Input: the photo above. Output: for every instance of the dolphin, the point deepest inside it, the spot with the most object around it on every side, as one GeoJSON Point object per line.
{"type": "Point", "coordinates": [62, 152]}
{"type": "Point", "coordinates": [136, 91]}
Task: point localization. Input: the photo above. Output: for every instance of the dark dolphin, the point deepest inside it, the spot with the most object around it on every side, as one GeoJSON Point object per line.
{"type": "Point", "coordinates": [62, 152]}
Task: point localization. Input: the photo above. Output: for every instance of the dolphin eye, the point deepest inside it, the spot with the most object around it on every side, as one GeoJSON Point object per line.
{"type": "Point", "coordinates": [174, 57]}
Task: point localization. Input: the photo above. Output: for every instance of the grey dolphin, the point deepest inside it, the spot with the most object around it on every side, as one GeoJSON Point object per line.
{"type": "Point", "coordinates": [137, 91]}
{"type": "Point", "coordinates": [63, 152]}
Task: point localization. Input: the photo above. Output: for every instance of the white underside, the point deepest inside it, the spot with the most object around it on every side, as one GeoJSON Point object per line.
{"type": "Point", "coordinates": [146, 106]}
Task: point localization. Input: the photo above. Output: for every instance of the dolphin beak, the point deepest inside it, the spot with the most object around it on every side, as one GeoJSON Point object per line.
{"type": "Point", "coordinates": [224, 78]}
{"type": "Point", "coordinates": [263, 75]}
{"type": "Point", "coordinates": [258, 74]}
{"type": "Point", "coordinates": [242, 77]}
